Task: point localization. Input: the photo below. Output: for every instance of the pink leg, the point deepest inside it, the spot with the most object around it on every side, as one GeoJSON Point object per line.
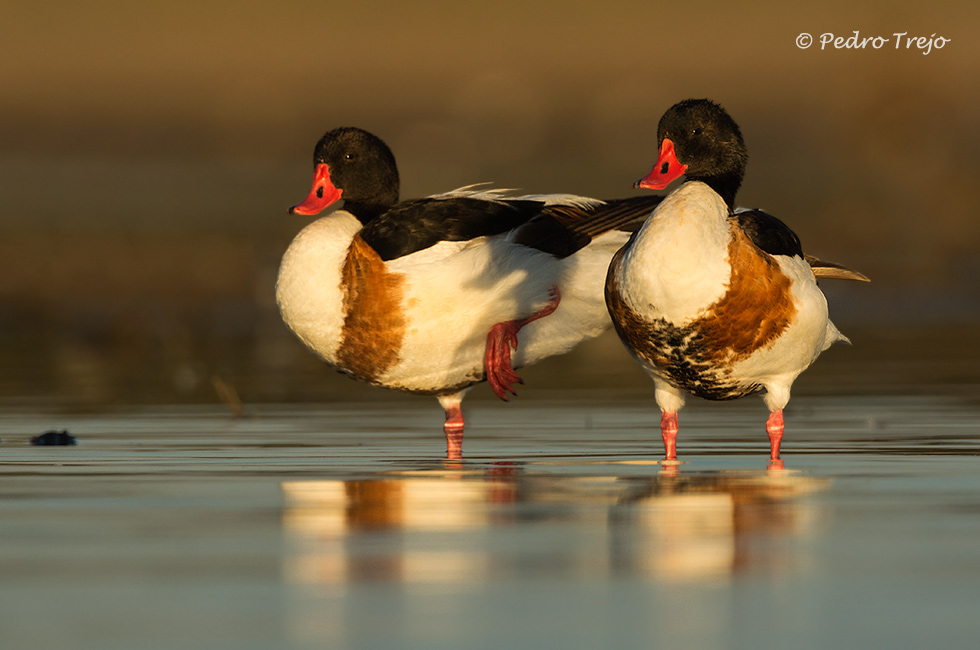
{"type": "Point", "coordinates": [453, 427]}
{"type": "Point", "coordinates": [774, 427]}
{"type": "Point", "coordinates": [454, 432]}
{"type": "Point", "coordinates": [668, 429]}
{"type": "Point", "coordinates": [501, 339]}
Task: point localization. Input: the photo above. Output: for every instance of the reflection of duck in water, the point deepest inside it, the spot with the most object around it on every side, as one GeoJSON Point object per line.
{"type": "Point", "coordinates": [351, 531]}
{"type": "Point", "coordinates": [682, 526]}
{"type": "Point", "coordinates": [712, 301]}
{"type": "Point", "coordinates": [434, 295]}
{"type": "Point", "coordinates": [709, 524]}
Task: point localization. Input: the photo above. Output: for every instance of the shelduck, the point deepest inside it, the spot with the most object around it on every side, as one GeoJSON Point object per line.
{"type": "Point", "coordinates": [434, 295]}
{"type": "Point", "coordinates": [713, 301]}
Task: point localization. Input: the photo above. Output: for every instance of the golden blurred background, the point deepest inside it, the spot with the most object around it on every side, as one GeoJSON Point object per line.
{"type": "Point", "coordinates": [149, 150]}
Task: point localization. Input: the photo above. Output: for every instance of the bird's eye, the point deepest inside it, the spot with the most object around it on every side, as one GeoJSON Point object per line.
{"type": "Point", "coordinates": [696, 131]}
{"type": "Point", "coordinates": [348, 156]}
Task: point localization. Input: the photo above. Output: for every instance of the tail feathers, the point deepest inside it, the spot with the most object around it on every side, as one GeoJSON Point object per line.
{"type": "Point", "coordinates": [833, 270]}
{"type": "Point", "coordinates": [834, 336]}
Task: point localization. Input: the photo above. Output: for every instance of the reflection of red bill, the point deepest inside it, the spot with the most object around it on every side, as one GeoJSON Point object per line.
{"type": "Point", "coordinates": [665, 171]}
{"type": "Point", "coordinates": [322, 195]}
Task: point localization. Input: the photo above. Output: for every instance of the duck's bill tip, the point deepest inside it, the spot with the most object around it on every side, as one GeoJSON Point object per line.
{"type": "Point", "coordinates": [307, 208]}
{"type": "Point", "coordinates": [646, 183]}
{"type": "Point", "coordinates": [321, 196]}
{"type": "Point", "coordinates": [655, 180]}
{"type": "Point", "coordinates": [666, 170]}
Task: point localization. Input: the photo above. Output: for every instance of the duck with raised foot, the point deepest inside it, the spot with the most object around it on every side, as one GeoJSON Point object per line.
{"type": "Point", "coordinates": [713, 301]}
{"type": "Point", "coordinates": [434, 295]}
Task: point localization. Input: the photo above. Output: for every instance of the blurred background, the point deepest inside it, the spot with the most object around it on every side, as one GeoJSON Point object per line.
{"type": "Point", "coordinates": [149, 151]}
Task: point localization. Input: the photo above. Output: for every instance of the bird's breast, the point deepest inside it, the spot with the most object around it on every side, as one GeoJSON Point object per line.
{"type": "Point", "coordinates": [700, 353]}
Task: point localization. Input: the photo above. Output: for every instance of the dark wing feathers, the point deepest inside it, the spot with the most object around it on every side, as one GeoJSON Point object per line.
{"type": "Point", "coordinates": [549, 233]}
{"type": "Point", "coordinates": [774, 237]}
{"type": "Point", "coordinates": [769, 233]}
{"type": "Point", "coordinates": [619, 214]}
{"type": "Point", "coordinates": [417, 224]}
{"type": "Point", "coordinates": [559, 229]}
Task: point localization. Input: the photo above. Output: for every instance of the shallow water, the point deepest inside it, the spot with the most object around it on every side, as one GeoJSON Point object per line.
{"type": "Point", "coordinates": [342, 527]}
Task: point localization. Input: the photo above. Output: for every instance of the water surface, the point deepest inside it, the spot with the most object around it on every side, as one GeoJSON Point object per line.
{"type": "Point", "coordinates": [343, 527]}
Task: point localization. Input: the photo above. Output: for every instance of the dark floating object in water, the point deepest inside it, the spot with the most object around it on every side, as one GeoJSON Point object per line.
{"type": "Point", "coordinates": [62, 438]}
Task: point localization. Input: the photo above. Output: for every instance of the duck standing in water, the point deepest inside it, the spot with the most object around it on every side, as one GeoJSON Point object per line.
{"type": "Point", "coordinates": [712, 301]}
{"type": "Point", "coordinates": [434, 295]}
